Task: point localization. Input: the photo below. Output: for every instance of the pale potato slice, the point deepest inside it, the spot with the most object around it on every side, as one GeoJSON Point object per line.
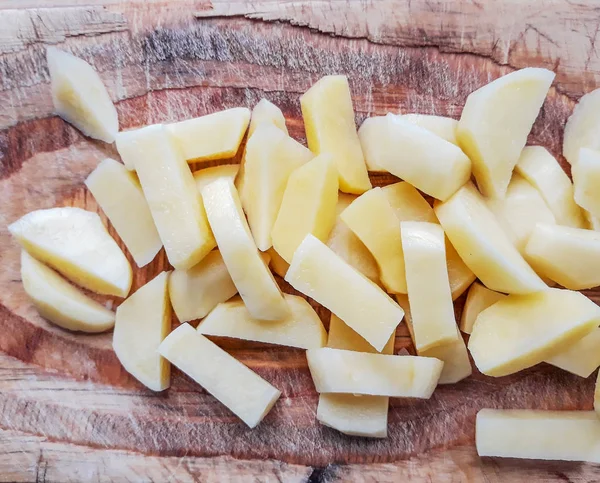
{"type": "Point", "coordinates": [342, 336]}
{"type": "Point", "coordinates": [418, 156]}
{"type": "Point", "coordinates": [329, 122]}
{"type": "Point", "coordinates": [302, 328]}
{"type": "Point", "coordinates": [142, 322]}
{"type": "Point", "coordinates": [308, 206]}
{"type": "Point", "coordinates": [483, 245]}
{"type": "Point", "coordinates": [59, 301]}
{"type": "Point", "coordinates": [171, 192]}
{"type": "Point", "coordinates": [265, 112]}
{"type": "Point", "coordinates": [277, 264]}
{"type": "Point", "coordinates": [428, 285]}
{"type": "Point", "coordinates": [583, 127]}
{"type": "Point", "coordinates": [539, 435]}
{"type": "Point", "coordinates": [80, 97]}
{"type": "Point", "coordinates": [319, 273]}
{"type": "Point", "coordinates": [454, 355]}
{"type": "Point", "coordinates": [214, 136]}
{"type": "Point", "coordinates": [240, 389]}
{"type": "Point", "coordinates": [568, 256]}
{"type": "Point", "coordinates": [75, 243]}
{"type": "Point", "coordinates": [348, 246]}
{"type": "Point", "coordinates": [206, 176]}
{"type": "Point", "coordinates": [520, 331]}
{"type": "Point", "coordinates": [249, 273]}
{"type": "Point", "coordinates": [586, 180]}
{"type": "Point", "coordinates": [580, 358]}
{"type": "Point", "coordinates": [495, 123]}
{"type": "Point", "coordinates": [478, 299]}
{"type": "Point", "coordinates": [520, 210]}
{"type": "Point", "coordinates": [118, 192]}
{"type": "Point", "coordinates": [542, 170]}
{"type": "Point", "coordinates": [444, 127]}
{"type": "Point", "coordinates": [271, 157]}
{"type": "Point", "coordinates": [350, 372]}
{"type": "Point", "coordinates": [372, 219]}
{"type": "Point", "coordinates": [369, 135]}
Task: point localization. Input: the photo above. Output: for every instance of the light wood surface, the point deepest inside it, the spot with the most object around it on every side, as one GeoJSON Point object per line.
{"type": "Point", "coordinates": [68, 411]}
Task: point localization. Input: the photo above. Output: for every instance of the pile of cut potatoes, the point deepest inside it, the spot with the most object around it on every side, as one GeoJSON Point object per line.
{"type": "Point", "coordinates": [506, 223]}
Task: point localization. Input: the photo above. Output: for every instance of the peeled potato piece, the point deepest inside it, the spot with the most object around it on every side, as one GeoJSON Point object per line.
{"type": "Point", "coordinates": [265, 112]}
{"type": "Point", "coordinates": [277, 264]}
{"type": "Point", "coordinates": [520, 331]}
{"type": "Point", "coordinates": [243, 391]}
{"type": "Point", "coordinates": [142, 322]}
{"type": "Point", "coordinates": [583, 127]}
{"type": "Point", "coordinates": [59, 301]}
{"type": "Point", "coordinates": [478, 299]}
{"type": "Point", "coordinates": [214, 136]}
{"type": "Point", "coordinates": [302, 328]}
{"type": "Point", "coordinates": [80, 97]}
{"type": "Point", "coordinates": [580, 358]}
{"type": "Point", "coordinates": [249, 273]}
{"type": "Point", "coordinates": [586, 180]}
{"type": "Point", "coordinates": [342, 336]}
{"type": "Point", "coordinates": [568, 256]}
{"type": "Point", "coordinates": [75, 243]}
{"type": "Point", "coordinates": [539, 435]}
{"type": "Point", "coordinates": [542, 170]}
{"type": "Point", "coordinates": [308, 206]}
{"type": "Point", "coordinates": [319, 273]}
{"type": "Point", "coordinates": [329, 122]}
{"type": "Point", "coordinates": [495, 123]}
{"type": "Point", "coordinates": [119, 194]}
{"type": "Point", "coordinates": [444, 127]}
{"type": "Point", "coordinates": [342, 371]}
{"type": "Point", "coordinates": [206, 176]}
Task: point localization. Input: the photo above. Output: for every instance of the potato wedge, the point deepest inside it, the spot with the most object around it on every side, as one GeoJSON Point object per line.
{"type": "Point", "coordinates": [444, 127]}
{"type": "Point", "coordinates": [586, 179]}
{"type": "Point", "coordinates": [478, 299]}
{"type": "Point", "coordinates": [580, 358]}
{"type": "Point", "coordinates": [265, 112]}
{"type": "Point", "coordinates": [583, 126]}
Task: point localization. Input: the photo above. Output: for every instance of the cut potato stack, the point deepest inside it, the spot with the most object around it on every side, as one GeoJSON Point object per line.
{"type": "Point", "coordinates": [366, 258]}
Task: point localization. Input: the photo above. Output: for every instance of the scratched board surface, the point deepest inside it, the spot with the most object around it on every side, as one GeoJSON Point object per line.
{"type": "Point", "coordinates": [68, 411]}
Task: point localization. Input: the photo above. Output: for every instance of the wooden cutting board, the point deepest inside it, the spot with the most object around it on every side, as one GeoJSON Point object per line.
{"type": "Point", "coordinates": [68, 411]}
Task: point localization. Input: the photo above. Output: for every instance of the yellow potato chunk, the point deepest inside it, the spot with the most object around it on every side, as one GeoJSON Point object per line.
{"type": "Point", "coordinates": [329, 122]}
{"type": "Point", "coordinates": [583, 126]}
{"type": "Point", "coordinates": [319, 273]}
{"type": "Point", "coordinates": [80, 97]}
{"type": "Point", "coordinates": [119, 194]}
{"type": "Point", "coordinates": [75, 243]}
{"type": "Point", "coordinates": [265, 112]}
{"type": "Point", "coordinates": [521, 331]}
{"type": "Point", "coordinates": [308, 206]}
{"type": "Point", "coordinates": [428, 285]}
{"type": "Point", "coordinates": [495, 123]}
{"type": "Point", "coordinates": [483, 245]}
{"type": "Point", "coordinates": [542, 170]}
{"type": "Point", "coordinates": [580, 358]}
{"type": "Point", "coordinates": [59, 301]}
{"type": "Point", "coordinates": [350, 372]}
{"type": "Point", "coordinates": [271, 157]}
{"type": "Point", "coordinates": [142, 322]}
{"type": "Point", "coordinates": [586, 180]}
{"type": "Point", "coordinates": [478, 299]}
{"type": "Point", "coordinates": [249, 272]}
{"type": "Point", "coordinates": [206, 176]}
{"type": "Point", "coordinates": [444, 127]}
{"type": "Point", "coordinates": [302, 328]}
{"type": "Point", "coordinates": [214, 136]}
{"type": "Point", "coordinates": [539, 435]}
{"type": "Point", "coordinates": [240, 389]}
{"type": "Point", "coordinates": [568, 256]}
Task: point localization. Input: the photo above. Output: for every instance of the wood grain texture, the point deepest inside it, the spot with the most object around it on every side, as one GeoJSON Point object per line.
{"type": "Point", "coordinates": [68, 411]}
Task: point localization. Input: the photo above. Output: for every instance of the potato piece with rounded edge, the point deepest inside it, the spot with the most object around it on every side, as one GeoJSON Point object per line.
{"type": "Point", "coordinates": [75, 243]}
{"type": "Point", "coordinates": [330, 128]}
{"type": "Point", "coordinates": [241, 390]}
{"type": "Point", "coordinates": [308, 206]}
{"type": "Point", "coordinates": [59, 301]}
{"type": "Point", "coordinates": [319, 273]}
{"type": "Point", "coordinates": [302, 328]}
{"type": "Point", "coordinates": [582, 129]}
{"type": "Point", "coordinates": [249, 273]}
{"type": "Point", "coordinates": [444, 127]}
{"type": "Point", "coordinates": [265, 112]}
{"type": "Point", "coordinates": [119, 194]}
{"type": "Point", "coordinates": [521, 331]}
{"type": "Point", "coordinates": [586, 180]}
{"type": "Point", "coordinates": [80, 97]}
{"type": "Point", "coordinates": [428, 286]}
{"type": "Point", "coordinates": [205, 176]}
{"type": "Point", "coordinates": [478, 299]}
{"type": "Point", "coordinates": [539, 435]}
{"type": "Point", "coordinates": [580, 358]}
{"type": "Point", "coordinates": [270, 159]}
{"type": "Point", "coordinates": [214, 136]}
{"type": "Point", "coordinates": [483, 245]}
{"type": "Point", "coordinates": [350, 372]}
{"type": "Point", "coordinates": [142, 322]}
{"type": "Point", "coordinates": [495, 123]}
{"type": "Point", "coordinates": [568, 256]}
{"type": "Point", "coordinates": [542, 170]}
